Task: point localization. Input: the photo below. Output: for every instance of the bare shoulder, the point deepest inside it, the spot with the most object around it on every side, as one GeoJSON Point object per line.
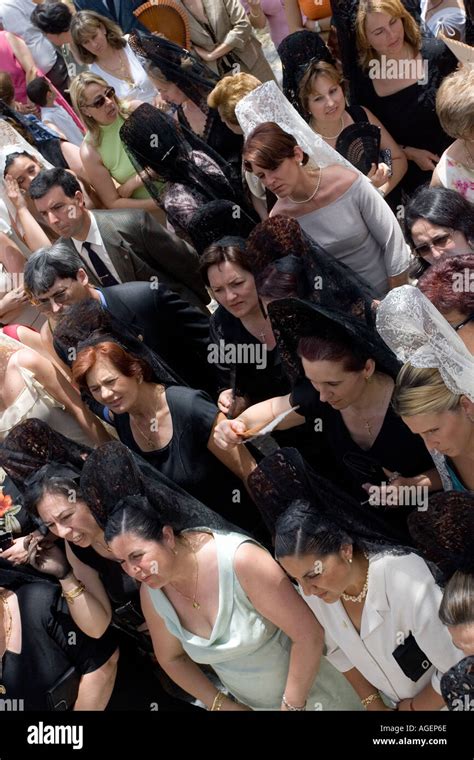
{"type": "Point", "coordinates": [456, 151]}
{"type": "Point", "coordinates": [251, 560]}
{"type": "Point", "coordinates": [27, 358]}
{"type": "Point", "coordinates": [89, 151]}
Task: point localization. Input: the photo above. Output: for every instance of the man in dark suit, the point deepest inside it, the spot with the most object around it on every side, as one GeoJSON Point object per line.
{"type": "Point", "coordinates": [176, 331]}
{"type": "Point", "coordinates": [119, 245]}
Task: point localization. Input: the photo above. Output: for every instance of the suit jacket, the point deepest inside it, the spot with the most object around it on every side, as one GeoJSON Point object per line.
{"type": "Point", "coordinates": [174, 329]}
{"type": "Point", "coordinates": [141, 249]}
{"type": "Point", "coordinates": [124, 18]}
{"type": "Point", "coordinates": [230, 25]}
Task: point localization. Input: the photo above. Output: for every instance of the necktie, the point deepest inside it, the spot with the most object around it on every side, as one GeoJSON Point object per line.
{"type": "Point", "coordinates": [105, 277]}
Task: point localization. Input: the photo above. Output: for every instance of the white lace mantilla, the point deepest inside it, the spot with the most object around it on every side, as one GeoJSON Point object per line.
{"type": "Point", "coordinates": [417, 332]}
{"type": "Point", "coordinates": [267, 103]}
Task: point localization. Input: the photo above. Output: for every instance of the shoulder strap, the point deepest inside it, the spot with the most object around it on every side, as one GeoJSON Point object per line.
{"type": "Point", "coordinates": [357, 113]}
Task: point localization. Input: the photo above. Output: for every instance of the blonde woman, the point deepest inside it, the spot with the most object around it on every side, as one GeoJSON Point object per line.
{"type": "Point", "coordinates": [403, 72]}
{"type": "Point", "coordinates": [455, 108]}
{"type": "Point", "coordinates": [444, 419]}
{"type": "Point", "coordinates": [100, 43]}
{"type": "Point", "coordinates": [103, 155]}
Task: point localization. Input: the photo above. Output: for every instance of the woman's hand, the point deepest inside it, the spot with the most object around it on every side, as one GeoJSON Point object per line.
{"type": "Point", "coordinates": [25, 108]}
{"type": "Point", "coordinates": [379, 175]}
{"type": "Point", "coordinates": [48, 558]}
{"type": "Point", "coordinates": [230, 404]}
{"type": "Point", "coordinates": [228, 434]}
{"type": "Point", "coordinates": [13, 299]}
{"type": "Point", "coordinates": [17, 554]}
{"type": "Point", "coordinates": [15, 195]}
{"type": "Point", "coordinates": [206, 55]}
{"type": "Point", "coordinates": [126, 189]}
{"type": "Point", "coordinates": [424, 159]}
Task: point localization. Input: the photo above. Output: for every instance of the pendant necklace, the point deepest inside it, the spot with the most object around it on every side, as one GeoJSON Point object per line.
{"type": "Point", "coordinates": [194, 601]}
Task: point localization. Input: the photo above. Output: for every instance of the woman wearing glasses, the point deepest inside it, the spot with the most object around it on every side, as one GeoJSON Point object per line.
{"type": "Point", "coordinates": [102, 152]}
{"type": "Point", "coordinates": [439, 222]}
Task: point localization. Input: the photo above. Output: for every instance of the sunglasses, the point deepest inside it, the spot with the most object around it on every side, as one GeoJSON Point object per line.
{"type": "Point", "coordinates": [440, 241]}
{"type": "Point", "coordinates": [99, 101]}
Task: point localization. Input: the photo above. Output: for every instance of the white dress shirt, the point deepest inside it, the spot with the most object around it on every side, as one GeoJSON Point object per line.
{"type": "Point", "coordinates": [402, 598]}
{"type": "Point", "coordinates": [95, 239]}
{"type": "Point", "coordinates": [15, 17]}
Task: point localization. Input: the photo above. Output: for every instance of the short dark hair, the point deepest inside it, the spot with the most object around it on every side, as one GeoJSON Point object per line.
{"type": "Point", "coordinates": [52, 478]}
{"type": "Point", "coordinates": [49, 178]}
{"type": "Point", "coordinates": [437, 283]}
{"type": "Point", "coordinates": [47, 265]}
{"type": "Point", "coordinates": [336, 348]}
{"type": "Point", "coordinates": [441, 206]}
{"type": "Point", "coordinates": [52, 17]}
{"type": "Point", "coordinates": [217, 254]}
{"type": "Point", "coordinates": [37, 91]}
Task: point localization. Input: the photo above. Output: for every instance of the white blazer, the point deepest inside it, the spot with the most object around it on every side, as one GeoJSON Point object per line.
{"type": "Point", "coordinates": [402, 598]}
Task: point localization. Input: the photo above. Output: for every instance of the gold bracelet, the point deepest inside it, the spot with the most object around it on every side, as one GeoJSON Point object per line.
{"type": "Point", "coordinates": [292, 708]}
{"type": "Point", "coordinates": [371, 698]}
{"type": "Point", "coordinates": [71, 595]}
{"type": "Point", "coordinates": [218, 700]}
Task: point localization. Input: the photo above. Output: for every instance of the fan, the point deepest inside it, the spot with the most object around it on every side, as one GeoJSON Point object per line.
{"type": "Point", "coordinates": [165, 17]}
{"type": "Point", "coordinates": [360, 144]}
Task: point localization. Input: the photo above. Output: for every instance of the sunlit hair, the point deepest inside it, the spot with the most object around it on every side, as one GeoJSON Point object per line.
{"type": "Point", "coordinates": [334, 349]}
{"type": "Point", "coordinates": [12, 157]}
{"type": "Point", "coordinates": [85, 24]}
{"type": "Point", "coordinates": [308, 85]}
{"type": "Point", "coordinates": [455, 104]}
{"type": "Point", "coordinates": [77, 91]}
{"type": "Point", "coordinates": [215, 254]}
{"type": "Point", "coordinates": [422, 391]}
{"type": "Point", "coordinates": [437, 283]}
{"type": "Point", "coordinates": [392, 8]}
{"type": "Point", "coordinates": [7, 90]}
{"type": "Point", "coordinates": [125, 363]}
{"type": "Point", "coordinates": [268, 145]}
{"type": "Point", "coordinates": [457, 604]}
{"type": "Point", "coordinates": [230, 91]}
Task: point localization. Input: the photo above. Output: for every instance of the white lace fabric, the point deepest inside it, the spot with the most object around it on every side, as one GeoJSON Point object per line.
{"type": "Point", "coordinates": [417, 333]}
{"type": "Point", "coordinates": [267, 103]}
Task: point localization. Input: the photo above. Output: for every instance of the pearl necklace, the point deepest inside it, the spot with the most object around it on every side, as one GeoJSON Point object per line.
{"type": "Point", "coordinates": [329, 137]}
{"type": "Point", "coordinates": [306, 200]}
{"type": "Point", "coordinates": [360, 597]}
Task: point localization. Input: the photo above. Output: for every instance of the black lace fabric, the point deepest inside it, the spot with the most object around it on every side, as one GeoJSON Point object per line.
{"type": "Point", "coordinates": [161, 149]}
{"type": "Point", "coordinates": [177, 65]}
{"type": "Point", "coordinates": [360, 144]}
{"type": "Point", "coordinates": [32, 444]}
{"type": "Point", "coordinates": [457, 686]}
{"type": "Point", "coordinates": [216, 219]}
{"type": "Point", "coordinates": [293, 319]}
{"type": "Point", "coordinates": [297, 52]}
{"type": "Point", "coordinates": [284, 476]}
{"type": "Point", "coordinates": [112, 472]}
{"type": "Point", "coordinates": [87, 324]}
{"type": "Point", "coordinates": [445, 531]}
{"type": "Point", "coordinates": [280, 242]}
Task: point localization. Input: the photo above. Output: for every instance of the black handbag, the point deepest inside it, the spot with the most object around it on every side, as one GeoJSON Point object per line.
{"type": "Point", "coordinates": [411, 659]}
{"type": "Point", "coordinates": [63, 694]}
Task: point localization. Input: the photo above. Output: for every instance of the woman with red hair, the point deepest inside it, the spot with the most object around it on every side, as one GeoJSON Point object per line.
{"type": "Point", "coordinates": [170, 426]}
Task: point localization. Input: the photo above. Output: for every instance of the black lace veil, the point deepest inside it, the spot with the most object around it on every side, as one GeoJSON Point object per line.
{"type": "Point", "coordinates": [284, 477]}
{"type": "Point", "coordinates": [161, 149]}
{"type": "Point", "coordinates": [457, 686]}
{"type": "Point", "coordinates": [177, 65]}
{"type": "Point", "coordinates": [216, 219]}
{"type": "Point", "coordinates": [297, 52]}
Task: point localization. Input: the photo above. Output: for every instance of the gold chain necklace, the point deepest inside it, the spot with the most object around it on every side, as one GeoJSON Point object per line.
{"type": "Point", "coordinates": [149, 440]}
{"type": "Point", "coordinates": [329, 137]}
{"type": "Point", "coordinates": [306, 200]}
{"type": "Point", "coordinates": [8, 633]}
{"type": "Point", "coordinates": [195, 602]}
{"type": "Point", "coordinates": [123, 73]}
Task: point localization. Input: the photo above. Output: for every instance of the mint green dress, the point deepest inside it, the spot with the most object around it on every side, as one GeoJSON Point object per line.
{"type": "Point", "coordinates": [248, 652]}
{"type": "Point", "coordinates": [115, 158]}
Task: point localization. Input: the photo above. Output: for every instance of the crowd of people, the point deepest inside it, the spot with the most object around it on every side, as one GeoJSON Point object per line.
{"type": "Point", "coordinates": [237, 355]}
